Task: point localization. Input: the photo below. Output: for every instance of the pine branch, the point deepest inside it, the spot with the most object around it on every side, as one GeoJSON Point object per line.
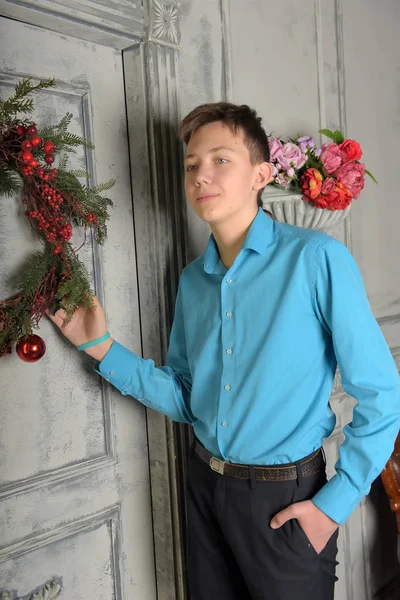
{"type": "Point", "coordinates": [33, 272]}
{"type": "Point", "coordinates": [103, 187]}
{"type": "Point", "coordinates": [16, 103]}
{"type": "Point", "coordinates": [10, 182]}
{"type": "Point", "coordinates": [75, 291]}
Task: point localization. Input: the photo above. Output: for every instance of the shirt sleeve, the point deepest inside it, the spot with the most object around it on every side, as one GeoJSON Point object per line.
{"type": "Point", "coordinates": [165, 389]}
{"type": "Point", "coordinates": [368, 373]}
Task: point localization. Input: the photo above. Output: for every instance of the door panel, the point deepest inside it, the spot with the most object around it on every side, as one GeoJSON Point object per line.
{"type": "Point", "coordinates": [74, 480]}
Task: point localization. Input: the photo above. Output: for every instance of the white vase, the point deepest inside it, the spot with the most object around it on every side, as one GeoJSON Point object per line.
{"type": "Point", "coordinates": [291, 208]}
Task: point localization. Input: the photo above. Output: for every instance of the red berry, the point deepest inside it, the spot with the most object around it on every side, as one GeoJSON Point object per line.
{"type": "Point", "coordinates": [36, 141]}
{"type": "Point", "coordinates": [31, 130]}
{"type": "Point", "coordinates": [33, 163]}
{"type": "Point", "coordinates": [26, 156]}
{"type": "Point", "coordinates": [20, 130]}
{"type": "Point", "coordinates": [45, 177]}
{"type": "Point", "coordinates": [48, 147]}
{"type": "Point", "coordinates": [26, 145]}
{"type": "Point", "coordinates": [49, 159]}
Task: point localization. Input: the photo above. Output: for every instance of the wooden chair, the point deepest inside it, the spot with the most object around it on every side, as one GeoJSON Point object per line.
{"type": "Point", "coordinates": [391, 480]}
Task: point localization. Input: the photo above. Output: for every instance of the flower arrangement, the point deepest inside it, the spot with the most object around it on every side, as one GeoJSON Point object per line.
{"type": "Point", "coordinates": [328, 177]}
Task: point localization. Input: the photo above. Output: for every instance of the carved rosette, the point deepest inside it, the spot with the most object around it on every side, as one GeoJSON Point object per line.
{"type": "Point", "coordinates": [49, 591]}
{"type": "Point", "coordinates": [165, 21]}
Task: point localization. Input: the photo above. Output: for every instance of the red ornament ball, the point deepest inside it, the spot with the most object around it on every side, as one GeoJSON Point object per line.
{"type": "Point", "coordinates": [20, 130]}
{"type": "Point", "coordinates": [27, 156]}
{"type": "Point", "coordinates": [48, 147]}
{"type": "Point", "coordinates": [36, 141]}
{"type": "Point", "coordinates": [26, 145]}
{"type": "Point", "coordinates": [33, 163]}
{"type": "Point", "coordinates": [31, 130]}
{"type": "Point", "coordinates": [49, 159]}
{"type": "Point", "coordinates": [31, 348]}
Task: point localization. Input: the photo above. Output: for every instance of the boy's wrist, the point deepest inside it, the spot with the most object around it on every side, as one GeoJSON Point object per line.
{"type": "Point", "coordinates": [99, 351]}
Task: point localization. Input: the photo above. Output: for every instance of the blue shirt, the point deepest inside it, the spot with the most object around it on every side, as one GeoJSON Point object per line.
{"type": "Point", "coordinates": [253, 354]}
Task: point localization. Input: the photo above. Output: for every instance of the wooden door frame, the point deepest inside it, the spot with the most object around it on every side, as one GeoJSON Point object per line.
{"type": "Point", "coordinates": [148, 35]}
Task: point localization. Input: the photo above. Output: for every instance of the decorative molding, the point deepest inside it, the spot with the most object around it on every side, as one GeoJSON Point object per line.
{"type": "Point", "coordinates": [161, 240]}
{"type": "Point", "coordinates": [165, 21]}
{"type": "Point", "coordinates": [49, 591]}
{"type": "Point", "coordinates": [86, 465]}
{"type": "Point", "coordinates": [227, 78]}
{"type": "Point", "coordinates": [320, 64]}
{"type": "Point", "coordinates": [49, 478]}
{"type": "Point", "coordinates": [64, 530]}
{"type": "Point", "coordinates": [115, 23]}
{"type": "Point", "coordinates": [389, 319]}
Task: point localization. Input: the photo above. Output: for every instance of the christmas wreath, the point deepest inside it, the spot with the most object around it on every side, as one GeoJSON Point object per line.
{"type": "Point", "coordinates": [54, 202]}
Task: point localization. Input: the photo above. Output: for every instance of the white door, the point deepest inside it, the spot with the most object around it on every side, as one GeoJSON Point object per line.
{"type": "Point", "coordinates": [75, 510]}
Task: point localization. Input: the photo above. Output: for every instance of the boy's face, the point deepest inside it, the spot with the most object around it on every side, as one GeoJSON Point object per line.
{"type": "Point", "coordinates": [220, 181]}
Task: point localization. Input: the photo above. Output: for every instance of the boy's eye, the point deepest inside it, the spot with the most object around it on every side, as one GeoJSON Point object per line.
{"type": "Point", "coordinates": [224, 160]}
{"type": "Point", "coordinates": [190, 168]}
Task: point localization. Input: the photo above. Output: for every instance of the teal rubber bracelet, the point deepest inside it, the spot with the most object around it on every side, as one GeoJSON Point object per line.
{"type": "Point", "coordinates": [94, 342]}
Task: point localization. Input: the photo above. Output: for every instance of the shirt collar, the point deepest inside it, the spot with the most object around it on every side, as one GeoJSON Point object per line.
{"type": "Point", "coordinates": [257, 239]}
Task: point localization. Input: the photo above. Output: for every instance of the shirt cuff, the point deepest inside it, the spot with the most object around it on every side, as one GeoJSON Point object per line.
{"type": "Point", "coordinates": [337, 499]}
{"type": "Point", "coordinates": [118, 367]}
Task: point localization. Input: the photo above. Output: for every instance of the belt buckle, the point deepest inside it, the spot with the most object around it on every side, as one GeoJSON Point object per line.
{"type": "Point", "coordinates": [217, 465]}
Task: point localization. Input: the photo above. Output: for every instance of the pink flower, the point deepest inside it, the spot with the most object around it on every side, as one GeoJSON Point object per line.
{"type": "Point", "coordinates": [352, 175]}
{"type": "Point", "coordinates": [291, 156]}
{"type": "Point", "coordinates": [275, 148]}
{"type": "Point", "coordinates": [328, 186]}
{"type": "Point", "coordinates": [332, 157]}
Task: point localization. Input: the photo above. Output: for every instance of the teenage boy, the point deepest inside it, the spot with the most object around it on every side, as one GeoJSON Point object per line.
{"type": "Point", "coordinates": [262, 319]}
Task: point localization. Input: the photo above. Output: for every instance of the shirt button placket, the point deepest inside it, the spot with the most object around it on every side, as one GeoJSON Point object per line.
{"type": "Point", "coordinates": [227, 339]}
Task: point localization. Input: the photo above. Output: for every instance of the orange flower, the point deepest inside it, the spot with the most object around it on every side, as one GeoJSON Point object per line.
{"type": "Point", "coordinates": [311, 183]}
{"type": "Point", "coordinates": [334, 195]}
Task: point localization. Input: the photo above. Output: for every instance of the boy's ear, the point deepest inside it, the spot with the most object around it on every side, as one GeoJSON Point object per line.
{"type": "Point", "coordinates": [264, 175]}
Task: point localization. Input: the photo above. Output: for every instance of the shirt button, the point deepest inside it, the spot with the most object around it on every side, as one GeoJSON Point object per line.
{"type": "Point", "coordinates": [224, 423]}
{"type": "Point", "coordinates": [111, 373]}
{"type": "Point", "coordinates": [229, 281]}
{"type": "Point", "coordinates": [228, 314]}
{"type": "Point", "coordinates": [229, 351]}
{"type": "Point", "coordinates": [227, 387]}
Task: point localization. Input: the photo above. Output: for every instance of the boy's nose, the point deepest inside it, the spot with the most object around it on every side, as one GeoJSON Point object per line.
{"type": "Point", "coordinates": [203, 176]}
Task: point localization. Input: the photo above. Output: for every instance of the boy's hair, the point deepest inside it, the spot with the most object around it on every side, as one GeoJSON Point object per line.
{"type": "Point", "coordinates": [238, 118]}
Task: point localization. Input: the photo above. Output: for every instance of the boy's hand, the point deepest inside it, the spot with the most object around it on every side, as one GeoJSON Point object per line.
{"type": "Point", "coordinates": [317, 526]}
{"type": "Point", "coordinates": [85, 326]}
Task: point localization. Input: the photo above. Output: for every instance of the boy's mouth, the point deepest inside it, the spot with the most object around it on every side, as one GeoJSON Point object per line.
{"type": "Point", "coordinates": [206, 197]}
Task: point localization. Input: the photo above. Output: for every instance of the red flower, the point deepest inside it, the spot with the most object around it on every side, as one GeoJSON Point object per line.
{"type": "Point", "coordinates": [334, 195]}
{"type": "Point", "coordinates": [351, 149]}
{"type": "Point", "coordinates": [311, 183]}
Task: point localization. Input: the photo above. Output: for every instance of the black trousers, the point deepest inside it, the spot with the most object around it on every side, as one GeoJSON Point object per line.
{"type": "Point", "coordinates": [234, 554]}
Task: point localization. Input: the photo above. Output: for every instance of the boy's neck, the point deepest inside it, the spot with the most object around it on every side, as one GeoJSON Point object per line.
{"type": "Point", "coordinates": [231, 234]}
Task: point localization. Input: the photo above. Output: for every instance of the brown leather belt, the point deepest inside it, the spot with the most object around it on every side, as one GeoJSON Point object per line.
{"type": "Point", "coordinates": [311, 465]}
